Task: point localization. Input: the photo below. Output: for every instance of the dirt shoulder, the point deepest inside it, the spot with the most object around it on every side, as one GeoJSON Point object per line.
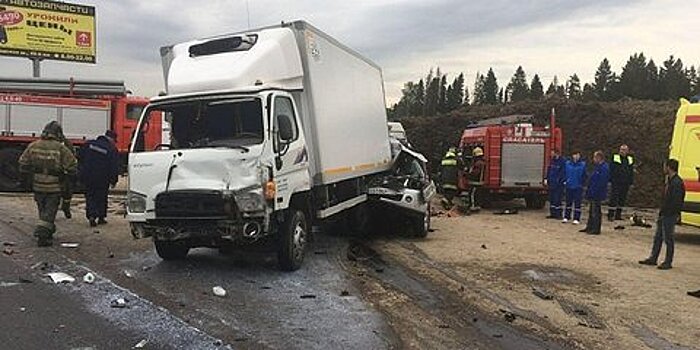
{"type": "Point", "coordinates": [600, 296]}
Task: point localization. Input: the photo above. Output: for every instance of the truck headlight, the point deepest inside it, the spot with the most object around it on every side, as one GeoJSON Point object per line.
{"type": "Point", "coordinates": [136, 202]}
{"type": "Point", "coordinates": [250, 201]}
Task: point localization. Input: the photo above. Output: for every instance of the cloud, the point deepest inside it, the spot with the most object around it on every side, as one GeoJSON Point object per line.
{"type": "Point", "coordinates": [406, 37]}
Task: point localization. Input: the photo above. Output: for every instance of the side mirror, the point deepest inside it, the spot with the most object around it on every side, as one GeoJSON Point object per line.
{"type": "Point", "coordinates": [284, 128]}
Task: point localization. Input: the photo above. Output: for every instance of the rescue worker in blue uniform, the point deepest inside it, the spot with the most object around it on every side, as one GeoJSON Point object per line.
{"type": "Point", "coordinates": [596, 193]}
{"type": "Point", "coordinates": [98, 170]}
{"type": "Point", "coordinates": [575, 178]}
{"type": "Point", "coordinates": [556, 175]}
{"type": "Point", "coordinates": [621, 178]}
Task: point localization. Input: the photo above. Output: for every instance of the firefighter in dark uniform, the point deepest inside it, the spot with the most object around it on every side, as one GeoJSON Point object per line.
{"type": "Point", "coordinates": [98, 170]}
{"type": "Point", "coordinates": [621, 178]}
{"type": "Point", "coordinates": [448, 177]}
{"type": "Point", "coordinates": [47, 161]}
{"type": "Point", "coordinates": [476, 178]}
{"type": "Point", "coordinates": [68, 181]}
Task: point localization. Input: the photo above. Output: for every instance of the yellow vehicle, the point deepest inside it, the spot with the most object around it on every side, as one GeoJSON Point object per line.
{"type": "Point", "coordinates": [685, 147]}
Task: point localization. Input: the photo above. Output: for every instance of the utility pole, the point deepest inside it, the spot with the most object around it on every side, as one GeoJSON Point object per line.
{"type": "Point", "coordinates": [36, 66]}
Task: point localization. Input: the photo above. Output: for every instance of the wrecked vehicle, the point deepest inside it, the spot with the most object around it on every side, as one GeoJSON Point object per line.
{"type": "Point", "coordinates": [402, 196]}
{"type": "Point", "coordinates": [271, 130]}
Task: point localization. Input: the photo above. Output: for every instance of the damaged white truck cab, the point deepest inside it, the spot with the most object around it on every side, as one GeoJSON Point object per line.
{"type": "Point", "coordinates": [270, 130]}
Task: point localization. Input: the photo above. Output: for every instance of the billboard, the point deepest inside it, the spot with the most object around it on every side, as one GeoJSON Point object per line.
{"type": "Point", "coordinates": [47, 29]}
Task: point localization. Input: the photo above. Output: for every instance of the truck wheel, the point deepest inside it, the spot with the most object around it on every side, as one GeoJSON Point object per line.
{"type": "Point", "coordinates": [420, 226]}
{"type": "Point", "coordinates": [10, 178]}
{"type": "Point", "coordinates": [535, 202]}
{"type": "Point", "coordinates": [171, 250]}
{"type": "Point", "coordinates": [294, 235]}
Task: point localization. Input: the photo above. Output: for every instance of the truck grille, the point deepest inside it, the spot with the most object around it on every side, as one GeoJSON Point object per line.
{"type": "Point", "coordinates": [190, 204]}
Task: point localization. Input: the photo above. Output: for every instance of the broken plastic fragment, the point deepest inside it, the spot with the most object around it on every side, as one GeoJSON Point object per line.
{"type": "Point", "coordinates": [119, 303]}
{"type": "Point", "coordinates": [89, 278]}
{"type": "Point", "coordinates": [141, 344]}
{"type": "Point", "coordinates": [61, 277]}
{"type": "Point", "coordinates": [70, 245]}
{"type": "Point", "coordinates": [219, 291]}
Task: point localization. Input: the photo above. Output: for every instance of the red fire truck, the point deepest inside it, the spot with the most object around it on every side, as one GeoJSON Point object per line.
{"type": "Point", "coordinates": [85, 109]}
{"type": "Point", "coordinates": [517, 155]}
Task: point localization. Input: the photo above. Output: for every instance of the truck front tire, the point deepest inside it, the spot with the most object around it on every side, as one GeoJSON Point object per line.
{"type": "Point", "coordinates": [171, 250]}
{"type": "Point", "coordinates": [420, 226]}
{"type": "Point", "coordinates": [294, 235]}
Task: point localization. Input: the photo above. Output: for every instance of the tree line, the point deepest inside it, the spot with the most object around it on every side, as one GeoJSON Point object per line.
{"type": "Point", "coordinates": [639, 79]}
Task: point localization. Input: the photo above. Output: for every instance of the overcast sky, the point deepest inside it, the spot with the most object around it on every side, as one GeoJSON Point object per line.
{"type": "Point", "coordinates": [405, 37]}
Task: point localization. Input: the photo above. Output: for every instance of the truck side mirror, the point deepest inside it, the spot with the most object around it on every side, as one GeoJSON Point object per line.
{"type": "Point", "coordinates": [285, 128]}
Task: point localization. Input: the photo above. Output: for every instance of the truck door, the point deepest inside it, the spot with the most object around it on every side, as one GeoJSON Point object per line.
{"type": "Point", "coordinates": [690, 171]}
{"type": "Point", "coordinates": [291, 161]}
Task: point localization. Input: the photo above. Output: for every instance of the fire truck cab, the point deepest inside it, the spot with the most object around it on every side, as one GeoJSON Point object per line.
{"type": "Point", "coordinates": [516, 155]}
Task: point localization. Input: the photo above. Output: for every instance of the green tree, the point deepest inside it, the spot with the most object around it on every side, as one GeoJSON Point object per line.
{"type": "Point", "coordinates": [490, 88]}
{"type": "Point", "coordinates": [432, 93]}
{"type": "Point", "coordinates": [555, 89]}
{"type": "Point", "coordinates": [694, 79]}
{"type": "Point", "coordinates": [536, 88]}
{"type": "Point", "coordinates": [603, 80]}
{"type": "Point", "coordinates": [518, 88]}
{"type": "Point", "coordinates": [455, 93]}
{"type": "Point", "coordinates": [502, 98]}
{"type": "Point", "coordinates": [635, 77]}
{"type": "Point", "coordinates": [442, 95]}
{"type": "Point", "coordinates": [588, 93]}
{"type": "Point", "coordinates": [573, 88]}
{"type": "Point", "coordinates": [653, 88]}
{"type": "Point", "coordinates": [479, 95]}
{"type": "Point", "coordinates": [674, 79]}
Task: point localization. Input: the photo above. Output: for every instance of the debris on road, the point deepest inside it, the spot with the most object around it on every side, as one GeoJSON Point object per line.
{"type": "Point", "coordinates": [119, 303]}
{"type": "Point", "coordinates": [70, 245]}
{"type": "Point", "coordinates": [4, 284]}
{"type": "Point", "coordinates": [307, 296]}
{"type": "Point", "coordinates": [61, 277]}
{"type": "Point", "coordinates": [110, 254]}
{"type": "Point", "coordinates": [141, 344]}
{"type": "Point", "coordinates": [8, 251]}
{"type": "Point", "coordinates": [542, 294]}
{"type": "Point", "coordinates": [43, 266]}
{"type": "Point", "coordinates": [508, 315]}
{"type": "Point", "coordinates": [695, 293]}
{"type": "Point", "coordinates": [640, 221]}
{"type": "Point", "coordinates": [218, 343]}
{"type": "Point", "coordinates": [9, 244]}
{"type": "Point", "coordinates": [219, 291]}
{"type": "Point", "coordinates": [507, 211]}
{"type": "Point", "coordinates": [619, 227]}
{"type": "Point", "coordinates": [129, 273]}
{"type": "Point", "coordinates": [483, 246]}
{"type": "Point", "coordinates": [89, 278]}
{"type": "Point", "coordinates": [345, 293]}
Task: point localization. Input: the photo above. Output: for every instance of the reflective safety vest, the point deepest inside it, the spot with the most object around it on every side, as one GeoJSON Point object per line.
{"type": "Point", "coordinates": [449, 170]}
{"type": "Point", "coordinates": [618, 159]}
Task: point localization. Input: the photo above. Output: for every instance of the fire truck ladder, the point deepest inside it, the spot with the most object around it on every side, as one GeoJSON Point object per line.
{"type": "Point", "coordinates": [67, 87]}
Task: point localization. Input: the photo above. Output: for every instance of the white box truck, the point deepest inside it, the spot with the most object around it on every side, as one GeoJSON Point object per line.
{"type": "Point", "coordinates": [270, 129]}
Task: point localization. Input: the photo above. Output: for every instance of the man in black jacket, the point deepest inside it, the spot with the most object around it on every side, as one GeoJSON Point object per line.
{"type": "Point", "coordinates": [673, 199]}
{"type": "Point", "coordinates": [621, 178]}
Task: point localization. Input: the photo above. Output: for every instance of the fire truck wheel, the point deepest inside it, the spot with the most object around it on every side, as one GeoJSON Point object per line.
{"type": "Point", "coordinates": [10, 178]}
{"type": "Point", "coordinates": [535, 202]}
{"type": "Point", "coordinates": [171, 250]}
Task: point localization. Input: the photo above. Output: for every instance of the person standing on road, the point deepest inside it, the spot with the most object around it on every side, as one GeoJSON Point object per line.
{"type": "Point", "coordinates": [67, 182]}
{"type": "Point", "coordinates": [596, 193]}
{"type": "Point", "coordinates": [98, 170]}
{"type": "Point", "coordinates": [674, 196]}
{"type": "Point", "coordinates": [476, 178]}
{"type": "Point", "coordinates": [556, 175]}
{"type": "Point", "coordinates": [46, 161]}
{"type": "Point", "coordinates": [448, 177]}
{"type": "Point", "coordinates": [621, 178]}
{"type": "Point", "coordinates": [575, 178]}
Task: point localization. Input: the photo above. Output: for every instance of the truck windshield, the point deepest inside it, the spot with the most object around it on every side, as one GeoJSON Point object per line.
{"type": "Point", "coordinates": [230, 122]}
